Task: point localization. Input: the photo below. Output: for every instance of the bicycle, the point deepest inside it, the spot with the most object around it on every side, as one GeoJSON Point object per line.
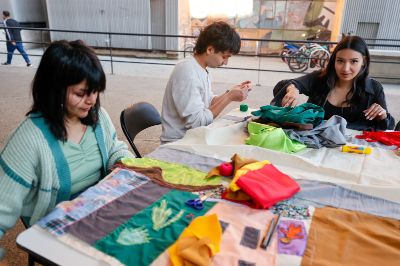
{"type": "Point", "coordinates": [309, 55]}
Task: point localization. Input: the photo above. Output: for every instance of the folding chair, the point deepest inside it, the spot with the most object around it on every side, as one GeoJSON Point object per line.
{"type": "Point", "coordinates": [136, 118]}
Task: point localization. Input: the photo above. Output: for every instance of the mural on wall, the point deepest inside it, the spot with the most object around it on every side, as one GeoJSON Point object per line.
{"type": "Point", "coordinates": [279, 19]}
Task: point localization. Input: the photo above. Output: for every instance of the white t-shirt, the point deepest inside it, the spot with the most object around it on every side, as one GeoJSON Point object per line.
{"type": "Point", "coordinates": [186, 100]}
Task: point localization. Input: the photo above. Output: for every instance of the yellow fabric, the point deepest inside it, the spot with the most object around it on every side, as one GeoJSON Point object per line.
{"type": "Point", "coordinates": [248, 167]}
{"type": "Point", "coordinates": [197, 243]}
{"type": "Point", "coordinates": [237, 163]}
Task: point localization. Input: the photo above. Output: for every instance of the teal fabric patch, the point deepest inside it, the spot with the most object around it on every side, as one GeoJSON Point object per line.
{"type": "Point", "coordinates": [152, 242]}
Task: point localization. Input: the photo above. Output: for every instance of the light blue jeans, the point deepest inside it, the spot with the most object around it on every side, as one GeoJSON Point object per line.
{"type": "Point", "coordinates": [10, 52]}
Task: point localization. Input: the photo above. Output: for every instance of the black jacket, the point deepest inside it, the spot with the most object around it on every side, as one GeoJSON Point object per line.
{"type": "Point", "coordinates": [15, 34]}
{"type": "Point", "coordinates": [373, 94]}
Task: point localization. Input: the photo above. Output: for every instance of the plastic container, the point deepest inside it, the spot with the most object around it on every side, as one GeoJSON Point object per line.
{"type": "Point", "coordinates": [244, 107]}
{"type": "Point", "coordinates": [356, 149]}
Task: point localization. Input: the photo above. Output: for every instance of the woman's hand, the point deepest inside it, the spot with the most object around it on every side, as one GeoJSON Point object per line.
{"type": "Point", "coordinates": [375, 111]}
{"type": "Point", "coordinates": [291, 97]}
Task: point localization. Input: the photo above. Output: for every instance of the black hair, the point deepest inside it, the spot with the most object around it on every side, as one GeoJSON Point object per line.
{"type": "Point", "coordinates": [329, 75]}
{"type": "Point", "coordinates": [64, 64]}
{"type": "Point", "coordinates": [6, 13]}
{"type": "Point", "coordinates": [219, 35]}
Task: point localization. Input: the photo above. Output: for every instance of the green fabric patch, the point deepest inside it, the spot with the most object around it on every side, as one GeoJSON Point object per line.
{"type": "Point", "coordinates": [175, 173]}
{"type": "Point", "coordinates": [306, 113]}
{"type": "Point", "coordinates": [273, 138]}
{"type": "Point", "coordinates": [141, 252]}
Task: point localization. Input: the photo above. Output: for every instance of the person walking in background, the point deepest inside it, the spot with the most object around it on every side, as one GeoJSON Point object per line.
{"type": "Point", "coordinates": [188, 100]}
{"type": "Point", "coordinates": [14, 40]}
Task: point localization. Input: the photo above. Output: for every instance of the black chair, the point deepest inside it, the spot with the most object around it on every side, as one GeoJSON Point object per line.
{"type": "Point", "coordinates": [136, 118]}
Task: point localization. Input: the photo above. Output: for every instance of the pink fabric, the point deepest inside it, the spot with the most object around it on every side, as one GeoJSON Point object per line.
{"type": "Point", "coordinates": [239, 217]}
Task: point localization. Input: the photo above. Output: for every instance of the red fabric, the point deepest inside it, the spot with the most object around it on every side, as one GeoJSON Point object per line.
{"type": "Point", "coordinates": [267, 186]}
{"type": "Point", "coordinates": [387, 138]}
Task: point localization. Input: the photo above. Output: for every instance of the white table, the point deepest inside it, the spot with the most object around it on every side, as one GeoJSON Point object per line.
{"type": "Point", "coordinates": [217, 140]}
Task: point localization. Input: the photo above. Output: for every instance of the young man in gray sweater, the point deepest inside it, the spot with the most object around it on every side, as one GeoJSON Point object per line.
{"type": "Point", "coordinates": [188, 100]}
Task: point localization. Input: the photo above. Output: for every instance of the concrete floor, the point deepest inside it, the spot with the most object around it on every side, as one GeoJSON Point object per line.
{"type": "Point", "coordinates": [134, 83]}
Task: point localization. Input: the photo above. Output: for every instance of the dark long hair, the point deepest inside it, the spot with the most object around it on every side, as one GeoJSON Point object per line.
{"type": "Point", "coordinates": [329, 75]}
{"type": "Point", "coordinates": [64, 64]}
{"type": "Point", "coordinates": [219, 35]}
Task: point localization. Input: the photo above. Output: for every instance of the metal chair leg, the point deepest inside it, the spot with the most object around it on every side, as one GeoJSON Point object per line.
{"type": "Point", "coordinates": [31, 260]}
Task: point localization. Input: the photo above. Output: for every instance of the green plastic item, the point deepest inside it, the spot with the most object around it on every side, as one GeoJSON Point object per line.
{"type": "Point", "coordinates": [244, 108]}
{"type": "Point", "coordinates": [272, 138]}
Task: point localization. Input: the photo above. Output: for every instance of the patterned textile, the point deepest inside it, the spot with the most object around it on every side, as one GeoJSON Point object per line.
{"type": "Point", "coordinates": [120, 182]}
{"type": "Point", "coordinates": [116, 213]}
{"type": "Point", "coordinates": [152, 230]}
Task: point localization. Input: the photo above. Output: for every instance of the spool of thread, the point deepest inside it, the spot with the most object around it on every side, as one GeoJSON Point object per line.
{"type": "Point", "coordinates": [356, 149]}
{"type": "Point", "coordinates": [244, 108]}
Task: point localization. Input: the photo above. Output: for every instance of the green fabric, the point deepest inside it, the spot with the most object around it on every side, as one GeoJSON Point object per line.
{"type": "Point", "coordinates": [148, 243]}
{"type": "Point", "coordinates": [84, 160]}
{"type": "Point", "coordinates": [306, 113]}
{"type": "Point", "coordinates": [273, 138]}
{"type": "Point", "coordinates": [175, 173]}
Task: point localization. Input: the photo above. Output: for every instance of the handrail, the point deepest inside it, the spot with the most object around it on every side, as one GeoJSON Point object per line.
{"type": "Point", "coordinates": [257, 53]}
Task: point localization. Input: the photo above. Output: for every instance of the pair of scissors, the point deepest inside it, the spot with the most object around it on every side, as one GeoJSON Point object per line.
{"type": "Point", "coordinates": [197, 203]}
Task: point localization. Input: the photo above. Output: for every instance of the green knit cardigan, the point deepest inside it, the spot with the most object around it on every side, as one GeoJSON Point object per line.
{"type": "Point", "coordinates": [34, 173]}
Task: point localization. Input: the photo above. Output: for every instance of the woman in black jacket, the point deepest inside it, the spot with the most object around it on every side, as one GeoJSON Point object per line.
{"type": "Point", "coordinates": [343, 88]}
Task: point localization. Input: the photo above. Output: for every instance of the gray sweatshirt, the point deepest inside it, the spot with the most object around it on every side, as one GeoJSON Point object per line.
{"type": "Point", "coordinates": [186, 100]}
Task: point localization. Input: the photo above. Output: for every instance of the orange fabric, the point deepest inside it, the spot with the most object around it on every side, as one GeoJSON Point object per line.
{"type": "Point", "coordinates": [197, 243]}
{"type": "Point", "coordinates": [342, 237]}
{"type": "Point", "coordinates": [237, 161]}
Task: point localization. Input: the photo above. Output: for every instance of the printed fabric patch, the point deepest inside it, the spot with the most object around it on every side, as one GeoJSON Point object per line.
{"type": "Point", "coordinates": [292, 237]}
{"type": "Point", "coordinates": [157, 227]}
{"type": "Point", "coordinates": [66, 213]}
{"type": "Point", "coordinates": [250, 238]}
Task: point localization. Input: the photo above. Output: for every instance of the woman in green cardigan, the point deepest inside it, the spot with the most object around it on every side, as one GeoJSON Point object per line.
{"type": "Point", "coordinates": [66, 143]}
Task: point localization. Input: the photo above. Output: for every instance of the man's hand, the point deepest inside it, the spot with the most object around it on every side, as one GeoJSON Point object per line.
{"type": "Point", "coordinates": [375, 111]}
{"type": "Point", "coordinates": [240, 92]}
{"type": "Point", "coordinates": [291, 97]}
{"type": "Point", "coordinates": [13, 43]}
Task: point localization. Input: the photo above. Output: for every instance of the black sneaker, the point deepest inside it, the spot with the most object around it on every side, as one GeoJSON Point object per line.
{"type": "Point", "coordinates": [5, 63]}
{"type": "Point", "coordinates": [29, 64]}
